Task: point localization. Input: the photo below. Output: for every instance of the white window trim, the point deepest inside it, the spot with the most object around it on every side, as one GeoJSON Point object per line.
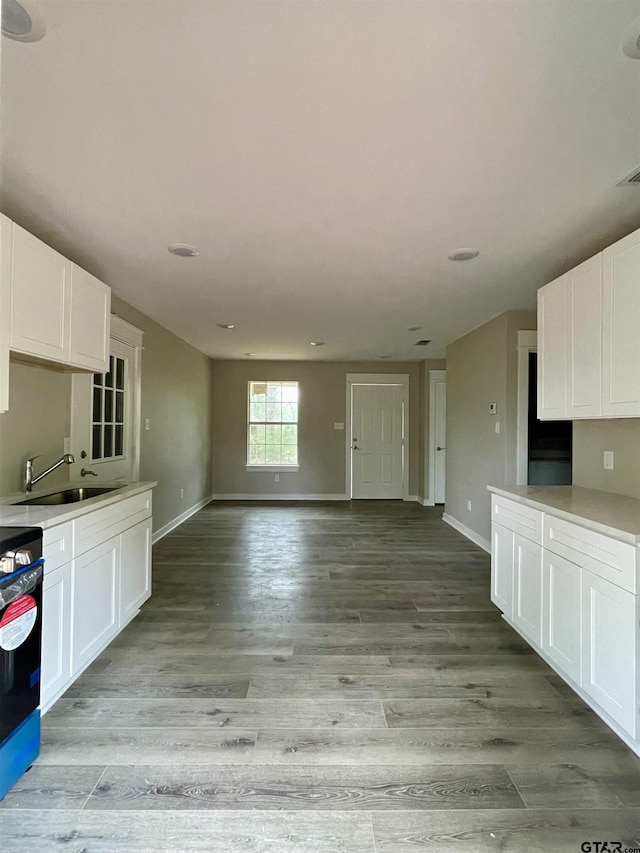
{"type": "Point", "coordinates": [273, 469]}
{"type": "Point", "coordinates": [277, 469]}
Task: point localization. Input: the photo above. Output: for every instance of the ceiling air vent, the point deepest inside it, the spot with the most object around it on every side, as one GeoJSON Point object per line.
{"type": "Point", "coordinates": [422, 343]}
{"type": "Point", "coordinates": [631, 180]}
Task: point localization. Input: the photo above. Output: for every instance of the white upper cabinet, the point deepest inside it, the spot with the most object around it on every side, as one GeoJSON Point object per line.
{"type": "Point", "coordinates": [589, 338]}
{"type": "Point", "coordinates": [5, 316]}
{"type": "Point", "coordinates": [583, 339]}
{"type": "Point", "coordinates": [39, 299]}
{"type": "Point", "coordinates": [90, 320]}
{"type": "Point", "coordinates": [552, 349]}
{"type": "Point", "coordinates": [621, 328]}
{"type": "Point", "coordinates": [59, 313]}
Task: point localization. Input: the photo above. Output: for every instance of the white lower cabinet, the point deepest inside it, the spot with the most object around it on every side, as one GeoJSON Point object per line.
{"type": "Point", "coordinates": [609, 649]}
{"type": "Point", "coordinates": [89, 599]}
{"type": "Point", "coordinates": [562, 613]}
{"type": "Point", "coordinates": [574, 599]}
{"type": "Point", "coordinates": [527, 588]}
{"type": "Point", "coordinates": [135, 569]}
{"type": "Point", "coordinates": [502, 569]}
{"type": "Point", "coordinates": [56, 634]}
{"type": "Point", "coordinates": [96, 597]}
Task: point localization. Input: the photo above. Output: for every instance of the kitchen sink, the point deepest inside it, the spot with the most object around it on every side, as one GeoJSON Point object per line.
{"type": "Point", "coordinates": [67, 496]}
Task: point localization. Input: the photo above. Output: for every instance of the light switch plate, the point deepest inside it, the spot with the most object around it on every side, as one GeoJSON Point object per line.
{"type": "Point", "coordinates": [147, 423]}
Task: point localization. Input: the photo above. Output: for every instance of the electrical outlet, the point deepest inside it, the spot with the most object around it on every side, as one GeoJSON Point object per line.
{"type": "Point", "coordinates": [66, 445]}
{"type": "Point", "coordinates": [608, 460]}
{"type": "Point", "coordinates": [181, 493]}
{"type": "Point", "coordinates": [468, 506]}
{"type": "Point", "coordinates": [277, 478]}
{"type": "Point", "coordinates": [497, 427]}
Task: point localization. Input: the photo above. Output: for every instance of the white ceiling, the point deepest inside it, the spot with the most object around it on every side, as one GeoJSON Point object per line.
{"type": "Point", "coordinates": [325, 157]}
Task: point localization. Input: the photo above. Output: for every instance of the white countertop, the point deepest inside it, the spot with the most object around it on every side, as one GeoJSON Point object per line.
{"type": "Point", "coordinates": [14, 515]}
{"type": "Point", "coordinates": [612, 515]}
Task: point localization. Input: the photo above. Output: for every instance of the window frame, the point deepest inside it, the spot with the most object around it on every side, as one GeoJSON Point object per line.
{"type": "Point", "coordinates": [267, 467]}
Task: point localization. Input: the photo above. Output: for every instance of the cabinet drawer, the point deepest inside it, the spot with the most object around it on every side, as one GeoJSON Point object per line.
{"type": "Point", "coordinates": [57, 545]}
{"type": "Point", "coordinates": [517, 517]}
{"type": "Point", "coordinates": [605, 557]}
{"type": "Point", "coordinates": [98, 526]}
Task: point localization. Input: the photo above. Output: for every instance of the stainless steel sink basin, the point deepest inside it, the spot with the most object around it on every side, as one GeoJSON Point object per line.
{"type": "Point", "coordinates": [67, 496]}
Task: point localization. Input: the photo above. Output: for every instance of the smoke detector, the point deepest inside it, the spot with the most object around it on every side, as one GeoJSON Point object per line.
{"type": "Point", "coordinates": [463, 254]}
{"type": "Point", "coordinates": [183, 250]}
{"type": "Point", "coordinates": [631, 41]}
{"type": "Point", "coordinates": [632, 179]}
{"type": "Point", "coordinates": [19, 24]}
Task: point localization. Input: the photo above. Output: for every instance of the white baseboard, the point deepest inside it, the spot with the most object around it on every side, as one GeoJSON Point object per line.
{"type": "Point", "coordinates": [176, 522]}
{"type": "Point", "coordinates": [271, 497]}
{"type": "Point", "coordinates": [480, 541]}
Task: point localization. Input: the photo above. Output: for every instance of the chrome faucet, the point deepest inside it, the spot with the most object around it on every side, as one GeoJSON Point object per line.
{"type": "Point", "coordinates": [30, 480]}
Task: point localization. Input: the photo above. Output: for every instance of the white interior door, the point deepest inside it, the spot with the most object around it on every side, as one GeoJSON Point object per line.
{"type": "Point", "coordinates": [377, 441]}
{"type": "Point", "coordinates": [104, 431]}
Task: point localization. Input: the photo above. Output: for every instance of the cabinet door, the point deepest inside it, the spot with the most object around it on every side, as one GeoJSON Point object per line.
{"type": "Point", "coordinates": [584, 333]}
{"type": "Point", "coordinates": [39, 299]}
{"type": "Point", "coordinates": [527, 588]}
{"type": "Point", "coordinates": [552, 350]}
{"type": "Point", "coordinates": [562, 614]}
{"type": "Point", "coordinates": [95, 601]}
{"type": "Point", "coordinates": [502, 569]}
{"type": "Point", "coordinates": [89, 325]}
{"type": "Point", "coordinates": [621, 328]}
{"type": "Point", "coordinates": [609, 648]}
{"type": "Point", "coordinates": [5, 316]}
{"type": "Point", "coordinates": [135, 569]}
{"type": "Point", "coordinates": [56, 634]}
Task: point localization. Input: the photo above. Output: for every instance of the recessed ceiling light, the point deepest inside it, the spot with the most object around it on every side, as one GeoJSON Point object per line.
{"type": "Point", "coordinates": [183, 250]}
{"type": "Point", "coordinates": [18, 24]}
{"type": "Point", "coordinates": [225, 325]}
{"type": "Point", "coordinates": [317, 343]}
{"type": "Point", "coordinates": [250, 354]}
{"type": "Point", "coordinates": [414, 328]}
{"type": "Point", "coordinates": [463, 254]}
{"type": "Point", "coordinates": [422, 343]}
{"type": "Point", "coordinates": [631, 43]}
{"type": "Point", "coordinates": [385, 356]}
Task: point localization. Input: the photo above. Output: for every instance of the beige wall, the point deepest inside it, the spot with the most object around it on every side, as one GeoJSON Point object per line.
{"type": "Point", "coordinates": [322, 449]}
{"type": "Point", "coordinates": [177, 399]}
{"type": "Point", "coordinates": [481, 369]}
{"type": "Point", "coordinates": [591, 439]}
{"type": "Point", "coordinates": [37, 422]}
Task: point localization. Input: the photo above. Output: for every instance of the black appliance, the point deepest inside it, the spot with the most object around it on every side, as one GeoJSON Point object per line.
{"type": "Point", "coordinates": [21, 573]}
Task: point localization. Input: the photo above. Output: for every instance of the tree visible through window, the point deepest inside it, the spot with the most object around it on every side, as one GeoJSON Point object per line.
{"type": "Point", "coordinates": [273, 423]}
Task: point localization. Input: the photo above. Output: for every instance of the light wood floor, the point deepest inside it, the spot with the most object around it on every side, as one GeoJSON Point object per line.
{"type": "Point", "coordinates": [320, 678]}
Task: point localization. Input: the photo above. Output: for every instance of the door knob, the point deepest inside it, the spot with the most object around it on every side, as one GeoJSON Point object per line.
{"type": "Point", "coordinates": [441, 448]}
{"type": "Point", "coordinates": [355, 447]}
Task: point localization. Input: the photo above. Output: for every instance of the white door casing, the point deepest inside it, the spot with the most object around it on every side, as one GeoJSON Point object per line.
{"type": "Point", "coordinates": [126, 344]}
{"type": "Point", "coordinates": [437, 436]}
{"type": "Point", "coordinates": [377, 438]}
{"type": "Point", "coordinates": [527, 343]}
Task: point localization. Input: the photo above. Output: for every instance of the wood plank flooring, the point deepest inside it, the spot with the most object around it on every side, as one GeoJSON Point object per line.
{"type": "Point", "coordinates": [321, 678]}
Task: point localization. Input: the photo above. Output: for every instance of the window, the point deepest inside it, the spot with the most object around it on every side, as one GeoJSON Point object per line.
{"type": "Point", "coordinates": [272, 424]}
{"type": "Point", "coordinates": [107, 422]}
